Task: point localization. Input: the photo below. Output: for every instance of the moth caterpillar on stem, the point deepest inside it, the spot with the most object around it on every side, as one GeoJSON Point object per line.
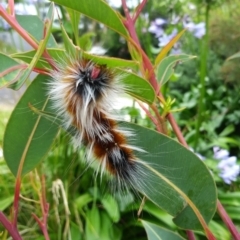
{"type": "Point", "coordinates": [83, 93]}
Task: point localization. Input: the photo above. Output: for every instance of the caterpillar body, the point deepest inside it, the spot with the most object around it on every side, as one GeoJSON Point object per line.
{"type": "Point", "coordinates": [82, 92]}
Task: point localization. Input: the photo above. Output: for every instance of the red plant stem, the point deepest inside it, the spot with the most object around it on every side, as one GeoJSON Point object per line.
{"type": "Point", "coordinates": [9, 70]}
{"type": "Point", "coordinates": [10, 228]}
{"type": "Point", "coordinates": [154, 120]}
{"type": "Point", "coordinates": [23, 33]}
{"type": "Point", "coordinates": [177, 130]}
{"type": "Point", "coordinates": [45, 209]}
{"type": "Point", "coordinates": [139, 10]}
{"type": "Point", "coordinates": [16, 202]}
{"type": "Point", "coordinates": [129, 24]}
{"type": "Point", "coordinates": [227, 220]}
{"type": "Point", "coordinates": [190, 235]}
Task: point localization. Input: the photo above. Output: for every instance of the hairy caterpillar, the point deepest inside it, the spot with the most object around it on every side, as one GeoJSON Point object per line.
{"type": "Point", "coordinates": [83, 93]}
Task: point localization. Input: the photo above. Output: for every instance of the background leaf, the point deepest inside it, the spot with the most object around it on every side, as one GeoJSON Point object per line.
{"type": "Point", "coordinates": [6, 63]}
{"type": "Point", "coordinates": [57, 54]}
{"type": "Point", "coordinates": [136, 86]}
{"type": "Point", "coordinates": [35, 29]}
{"type": "Point", "coordinates": [39, 52]}
{"type": "Point", "coordinates": [28, 136]}
{"type": "Point", "coordinates": [168, 47]}
{"type": "Point", "coordinates": [174, 164]}
{"type": "Point", "coordinates": [102, 13]}
{"type": "Point", "coordinates": [165, 68]}
{"type": "Point", "coordinates": [155, 232]}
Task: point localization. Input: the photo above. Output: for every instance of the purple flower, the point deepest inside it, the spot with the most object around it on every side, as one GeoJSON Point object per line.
{"type": "Point", "coordinates": [156, 27]}
{"type": "Point", "coordinates": [229, 169]}
{"type": "Point", "coordinates": [198, 30]}
{"type": "Point", "coordinates": [219, 153]}
{"type": "Point", "coordinates": [165, 39]}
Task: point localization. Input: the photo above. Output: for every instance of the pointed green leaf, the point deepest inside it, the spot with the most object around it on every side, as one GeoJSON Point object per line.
{"type": "Point", "coordinates": [6, 202]}
{"type": "Point", "coordinates": [28, 136]}
{"type": "Point", "coordinates": [58, 54]}
{"type": "Point", "coordinates": [166, 67]}
{"type": "Point", "coordinates": [135, 85]}
{"type": "Point", "coordinates": [154, 232]}
{"type": "Point", "coordinates": [97, 10]}
{"type": "Point", "coordinates": [42, 45]}
{"type": "Point", "coordinates": [111, 207]}
{"type": "Point", "coordinates": [85, 41]}
{"type": "Point", "coordinates": [7, 72]}
{"type": "Point", "coordinates": [68, 43]}
{"type": "Point", "coordinates": [138, 87]}
{"type": "Point", "coordinates": [174, 178]}
{"type": "Point", "coordinates": [220, 232]}
{"type": "Point", "coordinates": [92, 229]}
{"type": "Point", "coordinates": [34, 26]}
{"type": "Point", "coordinates": [75, 18]}
{"type": "Point", "coordinates": [168, 47]}
{"type": "Point", "coordinates": [236, 55]}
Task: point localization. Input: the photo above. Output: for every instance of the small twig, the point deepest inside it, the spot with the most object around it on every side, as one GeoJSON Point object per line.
{"type": "Point", "coordinates": [190, 235]}
{"type": "Point", "coordinates": [10, 228]}
{"type": "Point", "coordinates": [24, 34]}
{"type": "Point", "coordinates": [11, 7]}
{"type": "Point", "coordinates": [161, 120]}
{"type": "Point", "coordinates": [147, 65]}
{"type": "Point", "coordinates": [154, 120]}
{"type": "Point", "coordinates": [45, 209]}
{"type": "Point", "coordinates": [227, 220]}
{"type": "Point", "coordinates": [176, 130]}
{"type": "Point", "coordinates": [16, 202]}
{"type": "Point", "coordinates": [13, 68]}
{"type": "Point", "coordinates": [139, 10]}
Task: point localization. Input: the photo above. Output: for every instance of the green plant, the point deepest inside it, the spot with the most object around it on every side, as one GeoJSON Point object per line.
{"type": "Point", "coordinates": [175, 179]}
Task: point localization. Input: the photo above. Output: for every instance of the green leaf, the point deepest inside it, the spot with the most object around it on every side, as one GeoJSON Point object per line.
{"type": "Point", "coordinates": [75, 18]}
{"type": "Point", "coordinates": [233, 212]}
{"type": "Point", "coordinates": [111, 207]}
{"type": "Point", "coordinates": [227, 130]}
{"type": "Point", "coordinates": [165, 68]}
{"type": "Point", "coordinates": [168, 47]}
{"type": "Point", "coordinates": [135, 85]}
{"type": "Point", "coordinates": [83, 200]}
{"type": "Point", "coordinates": [34, 26]}
{"type": "Point", "coordinates": [138, 87]}
{"type": "Point", "coordinates": [155, 211]}
{"type": "Point", "coordinates": [75, 231]}
{"type": "Point", "coordinates": [6, 202]}
{"type": "Point", "coordinates": [108, 230]}
{"type": "Point", "coordinates": [42, 44]}
{"type": "Point", "coordinates": [68, 43]}
{"type": "Point", "coordinates": [92, 229]}
{"type": "Point", "coordinates": [236, 55]}
{"type": "Point", "coordinates": [230, 198]}
{"type": "Point", "coordinates": [155, 232]}
{"type": "Point", "coordinates": [40, 50]}
{"type": "Point", "coordinates": [58, 54]}
{"type": "Point", "coordinates": [85, 41]}
{"type": "Point", "coordinates": [219, 231]}
{"type": "Point", "coordinates": [174, 178]}
{"type": "Point", "coordinates": [28, 136]}
{"type": "Point", "coordinates": [7, 64]}
{"type": "Point", "coordinates": [99, 11]}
